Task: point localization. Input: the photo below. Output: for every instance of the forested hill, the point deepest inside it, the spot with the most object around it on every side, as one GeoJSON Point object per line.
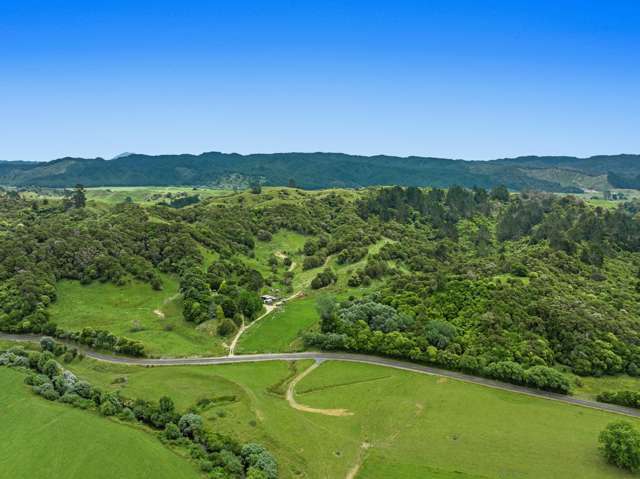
{"type": "Point", "coordinates": [324, 170]}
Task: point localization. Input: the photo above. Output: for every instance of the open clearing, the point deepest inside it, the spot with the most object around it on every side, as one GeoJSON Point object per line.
{"type": "Point", "coordinates": [136, 311]}
{"type": "Point", "coordinates": [414, 425]}
{"type": "Point", "coordinates": [278, 331]}
{"type": "Point", "coordinates": [53, 440]}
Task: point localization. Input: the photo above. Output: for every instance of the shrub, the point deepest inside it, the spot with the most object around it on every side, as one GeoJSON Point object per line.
{"type": "Point", "coordinates": [323, 279]}
{"type": "Point", "coordinates": [83, 389]}
{"type": "Point", "coordinates": [70, 398]}
{"type": "Point", "coordinates": [51, 368]}
{"type": "Point", "coordinates": [311, 262]}
{"type": "Point", "coordinates": [47, 391]}
{"type": "Point", "coordinates": [549, 379]}
{"type": "Point", "coordinates": [623, 398]}
{"type": "Point", "coordinates": [34, 379]}
{"type": "Point", "coordinates": [190, 425]}
{"type": "Point", "coordinates": [47, 344]}
{"type": "Point", "coordinates": [620, 444]}
{"type": "Point", "coordinates": [264, 235]}
{"type": "Point", "coordinates": [506, 371]}
{"type": "Point", "coordinates": [172, 432]}
{"type": "Point", "coordinates": [226, 327]}
{"type": "Point", "coordinates": [107, 408]}
{"type": "Point", "coordinates": [42, 360]}
{"type": "Point", "coordinates": [127, 415]}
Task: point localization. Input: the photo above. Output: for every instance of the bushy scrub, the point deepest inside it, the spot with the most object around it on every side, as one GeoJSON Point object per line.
{"type": "Point", "coordinates": [620, 444]}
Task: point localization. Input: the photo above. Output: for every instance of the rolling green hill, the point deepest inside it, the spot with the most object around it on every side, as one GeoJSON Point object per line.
{"type": "Point", "coordinates": [326, 170]}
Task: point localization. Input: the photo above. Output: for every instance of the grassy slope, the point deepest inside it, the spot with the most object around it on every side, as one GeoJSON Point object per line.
{"type": "Point", "coordinates": [144, 194]}
{"type": "Point", "coordinates": [418, 426]}
{"type": "Point", "coordinates": [52, 440]}
{"type": "Point", "coordinates": [280, 331]}
{"type": "Point", "coordinates": [116, 308]}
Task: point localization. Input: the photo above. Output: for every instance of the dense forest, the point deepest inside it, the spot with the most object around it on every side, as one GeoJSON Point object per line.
{"type": "Point", "coordinates": [515, 287]}
{"type": "Point", "coordinates": [328, 170]}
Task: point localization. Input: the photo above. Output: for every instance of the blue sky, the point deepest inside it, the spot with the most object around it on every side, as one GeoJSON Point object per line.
{"type": "Point", "coordinates": [461, 79]}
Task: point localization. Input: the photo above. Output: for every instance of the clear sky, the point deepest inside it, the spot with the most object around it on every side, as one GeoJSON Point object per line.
{"type": "Point", "coordinates": [462, 79]}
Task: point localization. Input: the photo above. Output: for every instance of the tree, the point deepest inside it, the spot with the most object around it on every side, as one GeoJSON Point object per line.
{"type": "Point", "coordinates": [256, 188]}
{"type": "Point", "coordinates": [326, 307]}
{"type": "Point", "coordinates": [47, 344]}
{"type": "Point", "coordinates": [226, 327]}
{"type": "Point", "coordinates": [620, 444]}
{"type": "Point", "coordinates": [171, 431]}
{"type": "Point", "coordinates": [190, 425]}
{"type": "Point", "coordinates": [51, 368]}
{"type": "Point", "coordinates": [79, 197]}
{"type": "Point", "coordinates": [500, 193]}
{"type": "Point", "coordinates": [291, 183]}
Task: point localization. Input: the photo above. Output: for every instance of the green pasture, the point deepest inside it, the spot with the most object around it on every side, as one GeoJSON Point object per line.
{"type": "Point", "coordinates": [279, 332]}
{"type": "Point", "coordinates": [148, 194]}
{"type": "Point", "coordinates": [136, 311]}
{"type": "Point", "coordinates": [47, 439]}
{"type": "Point", "coordinates": [402, 423]}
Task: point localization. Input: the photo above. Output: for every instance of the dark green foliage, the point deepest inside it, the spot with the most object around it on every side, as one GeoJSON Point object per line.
{"type": "Point", "coordinates": [543, 377]}
{"type": "Point", "coordinates": [324, 279]}
{"type": "Point", "coordinates": [622, 398]}
{"type": "Point", "coordinates": [314, 261]}
{"type": "Point", "coordinates": [196, 295]}
{"type": "Point", "coordinates": [190, 425]}
{"type": "Point", "coordinates": [183, 201]}
{"type": "Point", "coordinates": [620, 444]}
{"type": "Point", "coordinates": [172, 432]}
{"type": "Point", "coordinates": [316, 170]}
{"type": "Point", "coordinates": [226, 327]}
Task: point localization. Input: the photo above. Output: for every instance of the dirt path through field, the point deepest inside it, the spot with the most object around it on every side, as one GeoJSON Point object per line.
{"type": "Point", "coordinates": [158, 312]}
{"type": "Point", "coordinates": [269, 308]}
{"type": "Point", "coordinates": [244, 327]}
{"type": "Point", "coordinates": [353, 472]}
{"type": "Point", "coordinates": [291, 397]}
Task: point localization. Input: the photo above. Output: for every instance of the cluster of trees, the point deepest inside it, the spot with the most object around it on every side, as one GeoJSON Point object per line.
{"type": "Point", "coordinates": [228, 292]}
{"type": "Point", "coordinates": [45, 245]}
{"type": "Point", "coordinates": [324, 278]}
{"type": "Point", "coordinates": [532, 279]}
{"type": "Point", "coordinates": [441, 209]}
{"type": "Point", "coordinates": [370, 327]}
{"type": "Point", "coordinates": [104, 340]}
{"type": "Point", "coordinates": [622, 398]}
{"type": "Point", "coordinates": [485, 277]}
{"type": "Point", "coordinates": [215, 453]}
{"type": "Point", "coordinates": [182, 201]}
{"type": "Point", "coordinates": [374, 269]}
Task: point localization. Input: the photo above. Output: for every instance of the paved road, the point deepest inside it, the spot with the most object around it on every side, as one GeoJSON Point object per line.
{"type": "Point", "coordinates": [356, 358]}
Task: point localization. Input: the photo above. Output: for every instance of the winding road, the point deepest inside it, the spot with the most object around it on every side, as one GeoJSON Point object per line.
{"type": "Point", "coordinates": [350, 357]}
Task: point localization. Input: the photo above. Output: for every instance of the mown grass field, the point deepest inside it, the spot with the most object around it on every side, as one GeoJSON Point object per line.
{"type": "Point", "coordinates": [43, 439]}
{"type": "Point", "coordinates": [414, 425]}
{"type": "Point", "coordinates": [137, 312]}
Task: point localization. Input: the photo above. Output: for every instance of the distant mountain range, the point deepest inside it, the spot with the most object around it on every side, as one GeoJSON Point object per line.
{"type": "Point", "coordinates": [325, 170]}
